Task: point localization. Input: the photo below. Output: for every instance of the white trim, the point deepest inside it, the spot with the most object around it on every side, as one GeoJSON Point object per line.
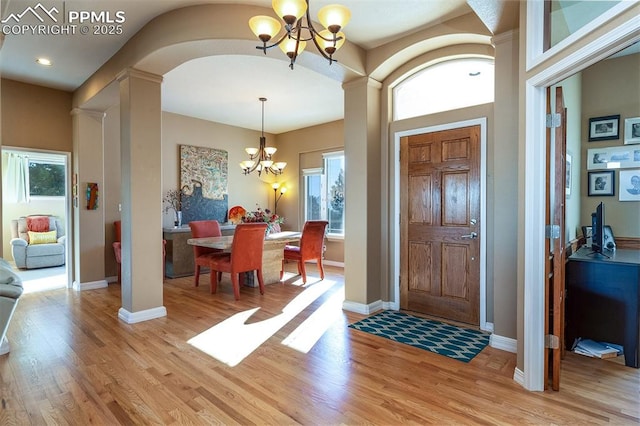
{"type": "Point", "coordinates": [482, 122]}
{"type": "Point", "coordinates": [147, 314]}
{"type": "Point", "coordinates": [503, 343]}
{"type": "Point", "coordinates": [489, 326]}
{"type": "Point", "coordinates": [390, 306]}
{"type": "Point", "coordinates": [313, 171]}
{"type": "Point", "coordinates": [533, 256]}
{"type": "Point", "coordinates": [361, 308]}
{"type": "Point", "coordinates": [4, 346]}
{"type": "Point", "coordinates": [91, 285]}
{"type": "Point", "coordinates": [534, 218]}
{"type": "Point", "coordinates": [333, 154]}
{"type": "Point", "coordinates": [518, 377]}
{"type": "Point", "coordinates": [333, 263]}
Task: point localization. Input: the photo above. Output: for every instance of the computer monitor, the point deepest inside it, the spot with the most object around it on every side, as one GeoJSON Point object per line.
{"type": "Point", "coordinates": [597, 229]}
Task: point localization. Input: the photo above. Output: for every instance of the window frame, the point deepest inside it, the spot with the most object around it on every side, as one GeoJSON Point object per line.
{"type": "Point", "coordinates": [325, 189]}
{"type": "Point", "coordinates": [40, 160]}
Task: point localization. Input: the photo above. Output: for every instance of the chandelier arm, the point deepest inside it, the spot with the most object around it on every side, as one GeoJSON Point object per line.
{"type": "Point", "coordinates": [321, 50]}
{"type": "Point", "coordinates": [277, 43]}
{"type": "Point", "coordinates": [298, 31]}
{"type": "Point", "coordinates": [312, 30]}
{"type": "Point", "coordinates": [250, 170]}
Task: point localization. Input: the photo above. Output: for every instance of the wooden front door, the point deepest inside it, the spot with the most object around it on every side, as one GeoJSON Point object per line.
{"type": "Point", "coordinates": [440, 223]}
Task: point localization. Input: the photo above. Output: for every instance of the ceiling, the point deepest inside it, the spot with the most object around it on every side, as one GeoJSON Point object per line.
{"type": "Point", "coordinates": [296, 98]}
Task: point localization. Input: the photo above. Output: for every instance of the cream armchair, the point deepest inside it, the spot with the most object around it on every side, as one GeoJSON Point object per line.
{"type": "Point", "coordinates": [10, 292]}
{"type": "Point", "coordinates": [38, 242]}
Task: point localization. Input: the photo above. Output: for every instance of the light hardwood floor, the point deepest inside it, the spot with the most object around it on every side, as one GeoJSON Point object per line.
{"type": "Point", "coordinates": [73, 362]}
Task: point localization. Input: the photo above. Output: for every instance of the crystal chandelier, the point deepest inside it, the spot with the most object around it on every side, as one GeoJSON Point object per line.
{"type": "Point", "coordinates": [260, 158]}
{"type": "Point", "coordinates": [295, 14]}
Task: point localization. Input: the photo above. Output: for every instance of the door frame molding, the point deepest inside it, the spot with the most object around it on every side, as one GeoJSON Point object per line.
{"type": "Point", "coordinates": [395, 160]}
{"type": "Point", "coordinates": [534, 177]}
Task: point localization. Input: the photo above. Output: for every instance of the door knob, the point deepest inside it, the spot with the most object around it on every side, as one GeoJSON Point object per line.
{"type": "Point", "coordinates": [471, 236]}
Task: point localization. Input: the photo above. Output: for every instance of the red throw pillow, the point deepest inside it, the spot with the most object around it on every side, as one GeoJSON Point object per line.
{"type": "Point", "coordinates": [38, 223]}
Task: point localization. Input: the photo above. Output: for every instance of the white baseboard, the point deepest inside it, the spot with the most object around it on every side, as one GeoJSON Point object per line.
{"type": "Point", "coordinates": [4, 346]}
{"type": "Point", "coordinates": [361, 308]}
{"type": "Point", "coordinates": [146, 315]}
{"type": "Point", "coordinates": [504, 343]}
{"type": "Point", "coordinates": [518, 377]}
{"type": "Point", "coordinates": [487, 326]}
{"type": "Point", "coordinates": [391, 306]}
{"type": "Point", "coordinates": [113, 279]}
{"type": "Point", "coordinates": [92, 285]}
{"type": "Point", "coordinates": [333, 263]}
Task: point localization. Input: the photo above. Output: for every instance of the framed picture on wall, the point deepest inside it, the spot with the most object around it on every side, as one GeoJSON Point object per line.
{"type": "Point", "coordinates": [629, 185]}
{"type": "Point", "coordinates": [602, 183]}
{"type": "Point", "coordinates": [604, 128]}
{"type": "Point", "coordinates": [567, 182]}
{"type": "Point", "coordinates": [632, 130]}
{"type": "Point", "coordinates": [613, 157]}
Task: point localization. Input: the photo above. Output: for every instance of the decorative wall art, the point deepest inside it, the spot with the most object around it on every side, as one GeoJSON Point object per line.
{"type": "Point", "coordinates": [602, 183]}
{"type": "Point", "coordinates": [204, 181]}
{"type": "Point", "coordinates": [629, 185]}
{"type": "Point", "coordinates": [615, 157]}
{"type": "Point", "coordinates": [632, 130]}
{"type": "Point", "coordinates": [604, 128]}
{"type": "Point", "coordinates": [92, 195]}
{"type": "Point", "coordinates": [567, 181]}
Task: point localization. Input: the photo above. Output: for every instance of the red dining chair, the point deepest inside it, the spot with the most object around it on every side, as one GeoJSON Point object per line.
{"type": "Point", "coordinates": [202, 255]}
{"type": "Point", "coordinates": [117, 249]}
{"type": "Point", "coordinates": [311, 248]}
{"type": "Point", "coordinates": [245, 256]}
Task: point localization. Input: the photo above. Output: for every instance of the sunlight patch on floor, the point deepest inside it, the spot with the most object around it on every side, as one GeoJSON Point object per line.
{"type": "Point", "coordinates": [45, 283]}
{"type": "Point", "coordinates": [233, 340]}
{"type": "Point", "coordinates": [311, 330]}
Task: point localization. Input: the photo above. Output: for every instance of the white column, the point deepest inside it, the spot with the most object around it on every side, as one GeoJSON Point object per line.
{"type": "Point", "coordinates": [141, 167]}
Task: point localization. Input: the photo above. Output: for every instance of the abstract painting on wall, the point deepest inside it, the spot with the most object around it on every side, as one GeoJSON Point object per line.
{"type": "Point", "coordinates": [203, 180]}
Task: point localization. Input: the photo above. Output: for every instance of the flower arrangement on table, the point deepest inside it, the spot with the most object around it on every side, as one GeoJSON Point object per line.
{"type": "Point", "coordinates": [173, 201]}
{"type": "Point", "coordinates": [259, 215]}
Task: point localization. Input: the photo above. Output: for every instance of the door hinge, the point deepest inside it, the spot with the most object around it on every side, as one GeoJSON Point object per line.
{"type": "Point", "coordinates": [553, 120]}
{"type": "Point", "coordinates": [552, 232]}
{"type": "Point", "coordinates": [551, 341]}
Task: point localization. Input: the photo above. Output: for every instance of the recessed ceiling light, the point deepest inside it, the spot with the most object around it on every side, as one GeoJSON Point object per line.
{"type": "Point", "coordinates": [474, 74]}
{"type": "Point", "coordinates": [44, 61]}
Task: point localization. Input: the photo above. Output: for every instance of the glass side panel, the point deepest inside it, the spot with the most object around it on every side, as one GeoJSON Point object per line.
{"type": "Point", "coordinates": [563, 18]}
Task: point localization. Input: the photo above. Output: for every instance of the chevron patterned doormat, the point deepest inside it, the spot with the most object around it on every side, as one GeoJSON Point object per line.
{"type": "Point", "coordinates": [455, 342]}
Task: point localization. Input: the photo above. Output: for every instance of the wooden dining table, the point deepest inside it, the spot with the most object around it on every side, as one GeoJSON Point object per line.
{"type": "Point", "coordinates": [272, 254]}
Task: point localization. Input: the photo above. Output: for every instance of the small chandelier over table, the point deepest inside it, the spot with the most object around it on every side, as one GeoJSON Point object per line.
{"type": "Point", "coordinates": [260, 158]}
{"type": "Point", "coordinates": [295, 14]}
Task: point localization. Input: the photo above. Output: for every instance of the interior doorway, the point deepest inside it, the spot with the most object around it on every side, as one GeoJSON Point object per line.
{"type": "Point", "coordinates": [36, 182]}
{"type": "Point", "coordinates": [585, 55]}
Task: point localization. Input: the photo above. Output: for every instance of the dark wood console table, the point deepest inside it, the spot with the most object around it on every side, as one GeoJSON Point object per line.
{"type": "Point", "coordinates": [179, 255]}
{"type": "Point", "coordinates": [602, 299]}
